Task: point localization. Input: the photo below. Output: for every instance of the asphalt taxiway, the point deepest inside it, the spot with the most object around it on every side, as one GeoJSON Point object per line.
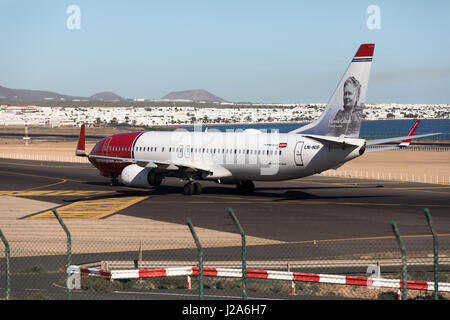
{"type": "Point", "coordinates": [316, 224]}
{"type": "Point", "coordinates": [351, 213]}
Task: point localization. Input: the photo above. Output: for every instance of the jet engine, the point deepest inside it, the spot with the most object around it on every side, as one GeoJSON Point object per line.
{"type": "Point", "coordinates": [136, 176]}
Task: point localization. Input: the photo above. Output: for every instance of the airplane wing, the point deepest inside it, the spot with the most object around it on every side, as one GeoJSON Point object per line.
{"type": "Point", "coordinates": [402, 145]}
{"type": "Point", "coordinates": [382, 148]}
{"type": "Point", "coordinates": [334, 141]}
{"type": "Point", "coordinates": [381, 141]}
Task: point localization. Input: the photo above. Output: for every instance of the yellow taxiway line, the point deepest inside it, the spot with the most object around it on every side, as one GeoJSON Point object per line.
{"type": "Point", "coordinates": [49, 193]}
{"type": "Point", "coordinates": [91, 209]}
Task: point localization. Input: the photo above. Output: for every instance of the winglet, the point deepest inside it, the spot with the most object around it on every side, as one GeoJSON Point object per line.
{"type": "Point", "coordinates": [406, 143]}
{"type": "Point", "coordinates": [81, 152]}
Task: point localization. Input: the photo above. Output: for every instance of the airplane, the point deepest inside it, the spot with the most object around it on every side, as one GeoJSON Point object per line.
{"type": "Point", "coordinates": [144, 159]}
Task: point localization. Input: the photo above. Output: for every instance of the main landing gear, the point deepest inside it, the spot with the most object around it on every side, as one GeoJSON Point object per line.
{"type": "Point", "coordinates": [114, 181]}
{"type": "Point", "coordinates": [245, 187]}
{"type": "Point", "coordinates": [191, 188]}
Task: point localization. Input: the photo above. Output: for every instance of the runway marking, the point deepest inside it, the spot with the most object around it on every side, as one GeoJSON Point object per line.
{"type": "Point", "coordinates": [55, 166]}
{"type": "Point", "coordinates": [191, 295]}
{"type": "Point", "coordinates": [49, 193]}
{"type": "Point", "coordinates": [349, 184]}
{"type": "Point", "coordinates": [439, 192]}
{"type": "Point", "coordinates": [315, 242]}
{"type": "Point", "coordinates": [309, 202]}
{"type": "Point", "coordinates": [47, 185]}
{"type": "Point", "coordinates": [437, 187]}
{"type": "Point", "coordinates": [91, 209]}
{"type": "Point", "coordinates": [39, 176]}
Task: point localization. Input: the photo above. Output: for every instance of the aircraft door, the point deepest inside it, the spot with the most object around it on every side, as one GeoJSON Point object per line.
{"type": "Point", "coordinates": [298, 153]}
{"type": "Point", "coordinates": [187, 151]}
{"type": "Point", "coordinates": [105, 146]}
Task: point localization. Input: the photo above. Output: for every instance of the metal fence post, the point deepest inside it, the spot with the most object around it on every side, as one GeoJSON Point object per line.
{"type": "Point", "coordinates": [7, 253]}
{"type": "Point", "coordinates": [435, 252]}
{"type": "Point", "coordinates": [200, 258]}
{"type": "Point", "coordinates": [244, 253]}
{"type": "Point", "coordinates": [404, 261]}
{"type": "Point", "coordinates": [69, 247]}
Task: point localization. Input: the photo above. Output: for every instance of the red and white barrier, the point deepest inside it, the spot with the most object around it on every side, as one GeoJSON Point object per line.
{"type": "Point", "coordinates": [259, 274]}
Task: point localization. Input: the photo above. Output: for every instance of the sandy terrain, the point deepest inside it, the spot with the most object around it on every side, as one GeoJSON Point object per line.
{"type": "Point", "coordinates": [405, 165]}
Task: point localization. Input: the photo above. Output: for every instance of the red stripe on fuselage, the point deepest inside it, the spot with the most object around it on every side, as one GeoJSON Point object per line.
{"type": "Point", "coordinates": [118, 145]}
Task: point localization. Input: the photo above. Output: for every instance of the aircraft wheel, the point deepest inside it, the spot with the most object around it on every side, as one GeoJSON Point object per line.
{"type": "Point", "coordinates": [197, 188]}
{"type": "Point", "coordinates": [249, 186]}
{"type": "Point", "coordinates": [246, 187]}
{"type": "Point", "coordinates": [188, 189]}
{"type": "Point", "coordinates": [114, 182]}
{"type": "Point", "coordinates": [154, 179]}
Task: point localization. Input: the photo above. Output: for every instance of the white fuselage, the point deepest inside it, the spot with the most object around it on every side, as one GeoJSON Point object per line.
{"type": "Point", "coordinates": [244, 155]}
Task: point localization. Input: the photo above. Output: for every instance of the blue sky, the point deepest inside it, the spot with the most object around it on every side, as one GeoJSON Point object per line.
{"type": "Point", "coordinates": [260, 51]}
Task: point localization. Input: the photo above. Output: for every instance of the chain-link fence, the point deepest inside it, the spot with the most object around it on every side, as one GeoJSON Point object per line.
{"type": "Point", "coordinates": [120, 268]}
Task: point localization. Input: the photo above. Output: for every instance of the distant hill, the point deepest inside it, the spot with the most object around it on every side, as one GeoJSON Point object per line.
{"type": "Point", "coordinates": [38, 95]}
{"type": "Point", "coordinates": [106, 96]}
{"type": "Point", "coordinates": [34, 95]}
{"type": "Point", "coordinates": [198, 95]}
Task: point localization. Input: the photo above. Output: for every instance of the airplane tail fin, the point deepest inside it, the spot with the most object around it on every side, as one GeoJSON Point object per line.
{"type": "Point", "coordinates": [81, 149]}
{"type": "Point", "coordinates": [343, 113]}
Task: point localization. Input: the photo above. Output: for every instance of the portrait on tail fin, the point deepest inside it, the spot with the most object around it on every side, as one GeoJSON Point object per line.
{"type": "Point", "coordinates": [347, 121]}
